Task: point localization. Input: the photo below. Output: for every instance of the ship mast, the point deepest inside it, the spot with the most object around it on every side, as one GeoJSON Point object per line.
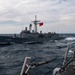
{"type": "Point", "coordinates": [35, 24]}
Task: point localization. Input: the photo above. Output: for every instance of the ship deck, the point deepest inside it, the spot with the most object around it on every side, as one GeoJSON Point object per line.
{"type": "Point", "coordinates": [70, 69]}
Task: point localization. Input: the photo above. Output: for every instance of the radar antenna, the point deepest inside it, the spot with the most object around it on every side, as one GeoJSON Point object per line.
{"type": "Point", "coordinates": [35, 24]}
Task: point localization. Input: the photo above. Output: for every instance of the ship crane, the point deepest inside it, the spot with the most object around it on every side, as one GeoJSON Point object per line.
{"type": "Point", "coordinates": [35, 22]}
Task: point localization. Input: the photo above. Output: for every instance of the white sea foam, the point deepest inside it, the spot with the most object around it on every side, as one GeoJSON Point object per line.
{"type": "Point", "coordinates": [71, 51]}
{"type": "Point", "coordinates": [70, 38]}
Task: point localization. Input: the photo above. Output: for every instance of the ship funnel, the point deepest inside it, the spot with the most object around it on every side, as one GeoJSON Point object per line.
{"type": "Point", "coordinates": [30, 27]}
{"type": "Point", "coordinates": [25, 28]}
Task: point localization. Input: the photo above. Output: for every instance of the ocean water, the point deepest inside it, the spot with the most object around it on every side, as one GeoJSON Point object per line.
{"type": "Point", "coordinates": [12, 56]}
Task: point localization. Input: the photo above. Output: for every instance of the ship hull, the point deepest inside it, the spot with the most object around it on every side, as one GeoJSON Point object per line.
{"type": "Point", "coordinates": [22, 40]}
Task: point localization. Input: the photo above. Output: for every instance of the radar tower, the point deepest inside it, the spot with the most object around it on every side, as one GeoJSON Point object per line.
{"type": "Point", "coordinates": [35, 24]}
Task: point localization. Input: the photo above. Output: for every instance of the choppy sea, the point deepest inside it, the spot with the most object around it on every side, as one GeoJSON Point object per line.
{"type": "Point", "coordinates": [12, 56]}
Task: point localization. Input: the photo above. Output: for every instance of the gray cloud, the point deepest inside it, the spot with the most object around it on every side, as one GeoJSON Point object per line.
{"type": "Point", "coordinates": [56, 14]}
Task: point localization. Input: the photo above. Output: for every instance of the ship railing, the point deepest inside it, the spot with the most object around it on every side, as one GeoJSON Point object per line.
{"type": "Point", "coordinates": [65, 62]}
{"type": "Point", "coordinates": [27, 66]}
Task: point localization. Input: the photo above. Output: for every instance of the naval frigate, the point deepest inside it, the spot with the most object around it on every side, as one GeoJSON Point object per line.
{"type": "Point", "coordinates": [31, 35]}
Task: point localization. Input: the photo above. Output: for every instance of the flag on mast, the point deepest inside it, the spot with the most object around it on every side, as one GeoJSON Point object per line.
{"type": "Point", "coordinates": [41, 23]}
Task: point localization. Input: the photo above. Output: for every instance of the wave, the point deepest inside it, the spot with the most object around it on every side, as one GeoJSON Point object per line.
{"type": "Point", "coordinates": [70, 38]}
{"type": "Point", "coordinates": [70, 51]}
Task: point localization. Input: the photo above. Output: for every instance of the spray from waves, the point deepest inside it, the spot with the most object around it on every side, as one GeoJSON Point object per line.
{"type": "Point", "coordinates": [70, 51]}
{"type": "Point", "coordinates": [70, 38]}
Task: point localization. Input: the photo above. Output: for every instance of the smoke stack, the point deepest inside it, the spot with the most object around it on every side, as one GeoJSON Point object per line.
{"type": "Point", "coordinates": [25, 28]}
{"type": "Point", "coordinates": [30, 27]}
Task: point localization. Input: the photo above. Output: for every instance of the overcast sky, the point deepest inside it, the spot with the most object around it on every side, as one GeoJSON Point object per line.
{"type": "Point", "coordinates": [57, 15]}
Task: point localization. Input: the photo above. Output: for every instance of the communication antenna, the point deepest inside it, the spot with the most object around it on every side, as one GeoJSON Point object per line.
{"type": "Point", "coordinates": [35, 22]}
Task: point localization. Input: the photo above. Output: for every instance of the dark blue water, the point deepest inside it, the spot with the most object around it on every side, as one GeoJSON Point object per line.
{"type": "Point", "coordinates": [12, 56]}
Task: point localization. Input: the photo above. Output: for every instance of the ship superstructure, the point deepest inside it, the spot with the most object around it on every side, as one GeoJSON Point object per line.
{"type": "Point", "coordinates": [35, 34]}
{"type": "Point", "coordinates": [31, 33]}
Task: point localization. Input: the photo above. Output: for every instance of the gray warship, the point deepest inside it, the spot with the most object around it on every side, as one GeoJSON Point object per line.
{"type": "Point", "coordinates": [31, 36]}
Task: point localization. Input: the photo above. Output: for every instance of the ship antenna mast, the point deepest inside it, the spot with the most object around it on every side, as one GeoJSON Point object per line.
{"type": "Point", "coordinates": [35, 23]}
